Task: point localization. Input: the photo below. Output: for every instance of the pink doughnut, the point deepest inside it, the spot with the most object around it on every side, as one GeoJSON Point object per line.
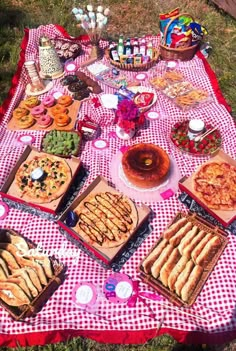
{"type": "Point", "coordinates": [48, 101]}
{"type": "Point", "coordinates": [37, 111]}
{"type": "Point", "coordinates": [44, 121]}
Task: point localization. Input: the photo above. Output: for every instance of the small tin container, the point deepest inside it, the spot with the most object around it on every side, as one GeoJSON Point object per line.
{"type": "Point", "coordinates": [195, 128]}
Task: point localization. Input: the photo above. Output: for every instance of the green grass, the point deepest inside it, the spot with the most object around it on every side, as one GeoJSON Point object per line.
{"type": "Point", "coordinates": [131, 17]}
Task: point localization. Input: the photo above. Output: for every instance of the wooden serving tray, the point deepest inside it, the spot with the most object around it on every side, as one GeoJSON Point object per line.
{"type": "Point", "coordinates": [73, 111]}
{"type": "Point", "coordinates": [21, 312]}
{"type": "Point", "coordinates": [165, 291]}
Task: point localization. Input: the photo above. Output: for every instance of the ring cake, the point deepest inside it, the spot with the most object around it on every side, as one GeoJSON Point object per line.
{"type": "Point", "coordinates": [145, 165]}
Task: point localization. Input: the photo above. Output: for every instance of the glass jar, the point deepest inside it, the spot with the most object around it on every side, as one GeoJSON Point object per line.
{"type": "Point", "coordinates": [195, 128]}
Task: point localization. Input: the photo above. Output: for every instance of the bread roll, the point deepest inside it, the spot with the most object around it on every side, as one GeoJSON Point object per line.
{"type": "Point", "coordinates": [23, 272]}
{"type": "Point", "coordinates": [13, 295]}
{"type": "Point", "coordinates": [209, 251]}
{"type": "Point", "coordinates": [183, 277]}
{"type": "Point", "coordinates": [45, 262]}
{"type": "Point", "coordinates": [191, 283]}
{"type": "Point", "coordinates": [179, 267]}
{"type": "Point", "coordinates": [16, 240]}
{"type": "Point", "coordinates": [187, 239]}
{"type": "Point", "coordinates": [168, 266]}
{"type": "Point", "coordinates": [172, 230]}
{"type": "Point", "coordinates": [3, 275]}
{"type": "Point", "coordinates": [151, 258]}
{"type": "Point", "coordinates": [156, 267]}
{"type": "Point", "coordinates": [9, 258]}
{"type": "Point", "coordinates": [34, 278]}
{"type": "Point", "coordinates": [191, 246]}
{"type": "Point", "coordinates": [21, 283]}
{"type": "Point", "coordinates": [4, 266]}
{"type": "Point", "coordinates": [175, 240]}
{"type": "Point", "coordinates": [200, 246]}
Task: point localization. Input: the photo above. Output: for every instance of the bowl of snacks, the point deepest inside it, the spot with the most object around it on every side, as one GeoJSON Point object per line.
{"type": "Point", "coordinates": [61, 143]}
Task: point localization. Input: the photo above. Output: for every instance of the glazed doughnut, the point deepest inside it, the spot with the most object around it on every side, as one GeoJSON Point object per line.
{"type": "Point", "coordinates": [62, 119]}
{"type": "Point", "coordinates": [58, 109]}
{"type": "Point", "coordinates": [25, 121]}
{"type": "Point", "coordinates": [38, 111]}
{"type": "Point", "coordinates": [20, 112]}
{"type": "Point", "coordinates": [31, 101]}
{"type": "Point", "coordinates": [64, 100]}
{"type": "Point", "coordinates": [48, 101]}
{"type": "Point", "coordinates": [44, 121]}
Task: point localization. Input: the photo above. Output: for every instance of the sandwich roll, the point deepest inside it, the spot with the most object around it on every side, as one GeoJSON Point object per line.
{"type": "Point", "coordinates": [200, 246]}
{"type": "Point", "coordinates": [16, 240]}
{"type": "Point", "coordinates": [172, 230]}
{"type": "Point", "coordinates": [34, 278]}
{"type": "Point", "coordinates": [13, 295]}
{"type": "Point", "coordinates": [191, 246]}
{"type": "Point", "coordinates": [191, 283]}
{"type": "Point", "coordinates": [168, 266]}
{"type": "Point", "coordinates": [3, 275]}
{"type": "Point", "coordinates": [150, 259]}
{"type": "Point", "coordinates": [179, 267]}
{"type": "Point", "coordinates": [183, 277]}
{"type": "Point", "coordinates": [45, 262]}
{"type": "Point", "coordinates": [21, 283]}
{"type": "Point", "coordinates": [209, 251]}
{"type": "Point", "coordinates": [187, 239]}
{"type": "Point", "coordinates": [158, 264]}
{"type": "Point", "coordinates": [24, 274]}
{"type": "Point", "coordinates": [175, 240]}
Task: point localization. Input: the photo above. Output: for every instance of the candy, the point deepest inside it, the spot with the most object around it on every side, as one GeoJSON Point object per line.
{"type": "Point", "coordinates": [75, 11]}
{"type": "Point", "coordinates": [99, 9]}
{"type": "Point", "coordinates": [107, 12]}
{"type": "Point", "coordinates": [90, 8]}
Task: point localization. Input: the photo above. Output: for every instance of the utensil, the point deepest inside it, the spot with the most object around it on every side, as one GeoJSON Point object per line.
{"type": "Point", "coordinates": [201, 137]}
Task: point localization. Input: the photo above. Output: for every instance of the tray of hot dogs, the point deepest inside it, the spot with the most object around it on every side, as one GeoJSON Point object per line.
{"type": "Point", "coordinates": [27, 277]}
{"type": "Point", "coordinates": [183, 258]}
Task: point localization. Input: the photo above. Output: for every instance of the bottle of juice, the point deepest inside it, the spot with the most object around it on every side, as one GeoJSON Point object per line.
{"type": "Point", "coordinates": [128, 47]}
{"type": "Point", "coordinates": [120, 48]}
{"type": "Point", "coordinates": [150, 50]}
{"type": "Point", "coordinates": [143, 47]}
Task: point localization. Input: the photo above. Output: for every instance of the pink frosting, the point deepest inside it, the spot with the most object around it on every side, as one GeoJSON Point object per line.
{"type": "Point", "coordinates": [48, 101]}
{"type": "Point", "coordinates": [37, 110]}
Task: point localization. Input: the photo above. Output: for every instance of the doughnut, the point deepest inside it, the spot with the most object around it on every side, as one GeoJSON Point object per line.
{"type": "Point", "coordinates": [77, 86]}
{"type": "Point", "coordinates": [69, 79]}
{"type": "Point", "coordinates": [44, 121]}
{"type": "Point", "coordinates": [58, 109]}
{"type": "Point", "coordinates": [37, 111]}
{"type": "Point", "coordinates": [20, 112]}
{"type": "Point", "coordinates": [25, 121]}
{"type": "Point", "coordinates": [31, 101]}
{"type": "Point", "coordinates": [64, 100]}
{"type": "Point", "coordinates": [145, 165]}
{"type": "Point", "coordinates": [82, 94]}
{"type": "Point", "coordinates": [62, 119]}
{"type": "Point", "coordinates": [48, 101]}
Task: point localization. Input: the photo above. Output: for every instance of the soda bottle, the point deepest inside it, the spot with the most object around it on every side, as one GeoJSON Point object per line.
{"type": "Point", "coordinates": [121, 45]}
{"type": "Point", "coordinates": [150, 50]}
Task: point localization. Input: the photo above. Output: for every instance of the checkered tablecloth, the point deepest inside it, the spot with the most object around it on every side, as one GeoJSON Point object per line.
{"type": "Point", "coordinates": [213, 312]}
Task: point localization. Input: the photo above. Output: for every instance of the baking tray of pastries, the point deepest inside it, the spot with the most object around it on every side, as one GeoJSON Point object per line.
{"type": "Point", "coordinates": [183, 258]}
{"type": "Point", "coordinates": [27, 277]}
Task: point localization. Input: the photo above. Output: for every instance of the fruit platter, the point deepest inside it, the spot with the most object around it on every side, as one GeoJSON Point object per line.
{"type": "Point", "coordinates": [205, 146]}
{"type": "Point", "coordinates": [61, 143]}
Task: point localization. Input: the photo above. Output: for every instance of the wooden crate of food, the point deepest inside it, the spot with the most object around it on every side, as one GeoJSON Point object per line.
{"type": "Point", "coordinates": [183, 258]}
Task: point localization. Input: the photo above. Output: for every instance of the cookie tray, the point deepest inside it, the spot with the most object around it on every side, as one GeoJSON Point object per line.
{"type": "Point", "coordinates": [165, 291]}
{"type": "Point", "coordinates": [20, 313]}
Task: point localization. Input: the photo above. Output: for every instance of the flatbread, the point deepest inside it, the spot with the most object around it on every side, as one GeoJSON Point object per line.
{"type": "Point", "coordinates": [215, 184]}
{"type": "Point", "coordinates": [57, 177]}
{"type": "Point", "coordinates": [106, 219]}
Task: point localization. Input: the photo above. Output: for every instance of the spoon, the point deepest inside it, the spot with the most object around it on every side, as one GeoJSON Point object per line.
{"type": "Point", "coordinates": [200, 137]}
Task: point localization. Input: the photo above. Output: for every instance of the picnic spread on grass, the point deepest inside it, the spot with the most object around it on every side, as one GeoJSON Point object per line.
{"type": "Point", "coordinates": [118, 189]}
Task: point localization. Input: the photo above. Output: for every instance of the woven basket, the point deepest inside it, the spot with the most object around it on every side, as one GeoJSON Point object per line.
{"type": "Point", "coordinates": [184, 54]}
{"type": "Point", "coordinates": [132, 67]}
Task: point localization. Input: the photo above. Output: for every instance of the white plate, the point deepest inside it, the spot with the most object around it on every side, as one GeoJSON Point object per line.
{"type": "Point", "coordinates": [48, 86]}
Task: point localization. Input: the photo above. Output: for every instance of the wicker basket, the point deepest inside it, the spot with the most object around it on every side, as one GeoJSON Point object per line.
{"type": "Point", "coordinates": [132, 67]}
{"type": "Point", "coordinates": [184, 54]}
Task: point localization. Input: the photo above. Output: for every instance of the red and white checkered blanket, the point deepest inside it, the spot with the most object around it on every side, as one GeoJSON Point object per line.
{"type": "Point", "coordinates": [216, 302]}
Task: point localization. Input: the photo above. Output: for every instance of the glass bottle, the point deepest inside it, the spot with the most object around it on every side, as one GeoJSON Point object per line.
{"type": "Point", "coordinates": [120, 48]}
{"type": "Point", "coordinates": [143, 46]}
{"type": "Point", "coordinates": [128, 48]}
{"type": "Point", "coordinates": [135, 46]}
{"type": "Point", "coordinates": [150, 50]}
{"type": "Point", "coordinates": [113, 53]}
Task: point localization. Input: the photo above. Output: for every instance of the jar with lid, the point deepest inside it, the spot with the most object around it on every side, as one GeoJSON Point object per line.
{"type": "Point", "coordinates": [195, 128]}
